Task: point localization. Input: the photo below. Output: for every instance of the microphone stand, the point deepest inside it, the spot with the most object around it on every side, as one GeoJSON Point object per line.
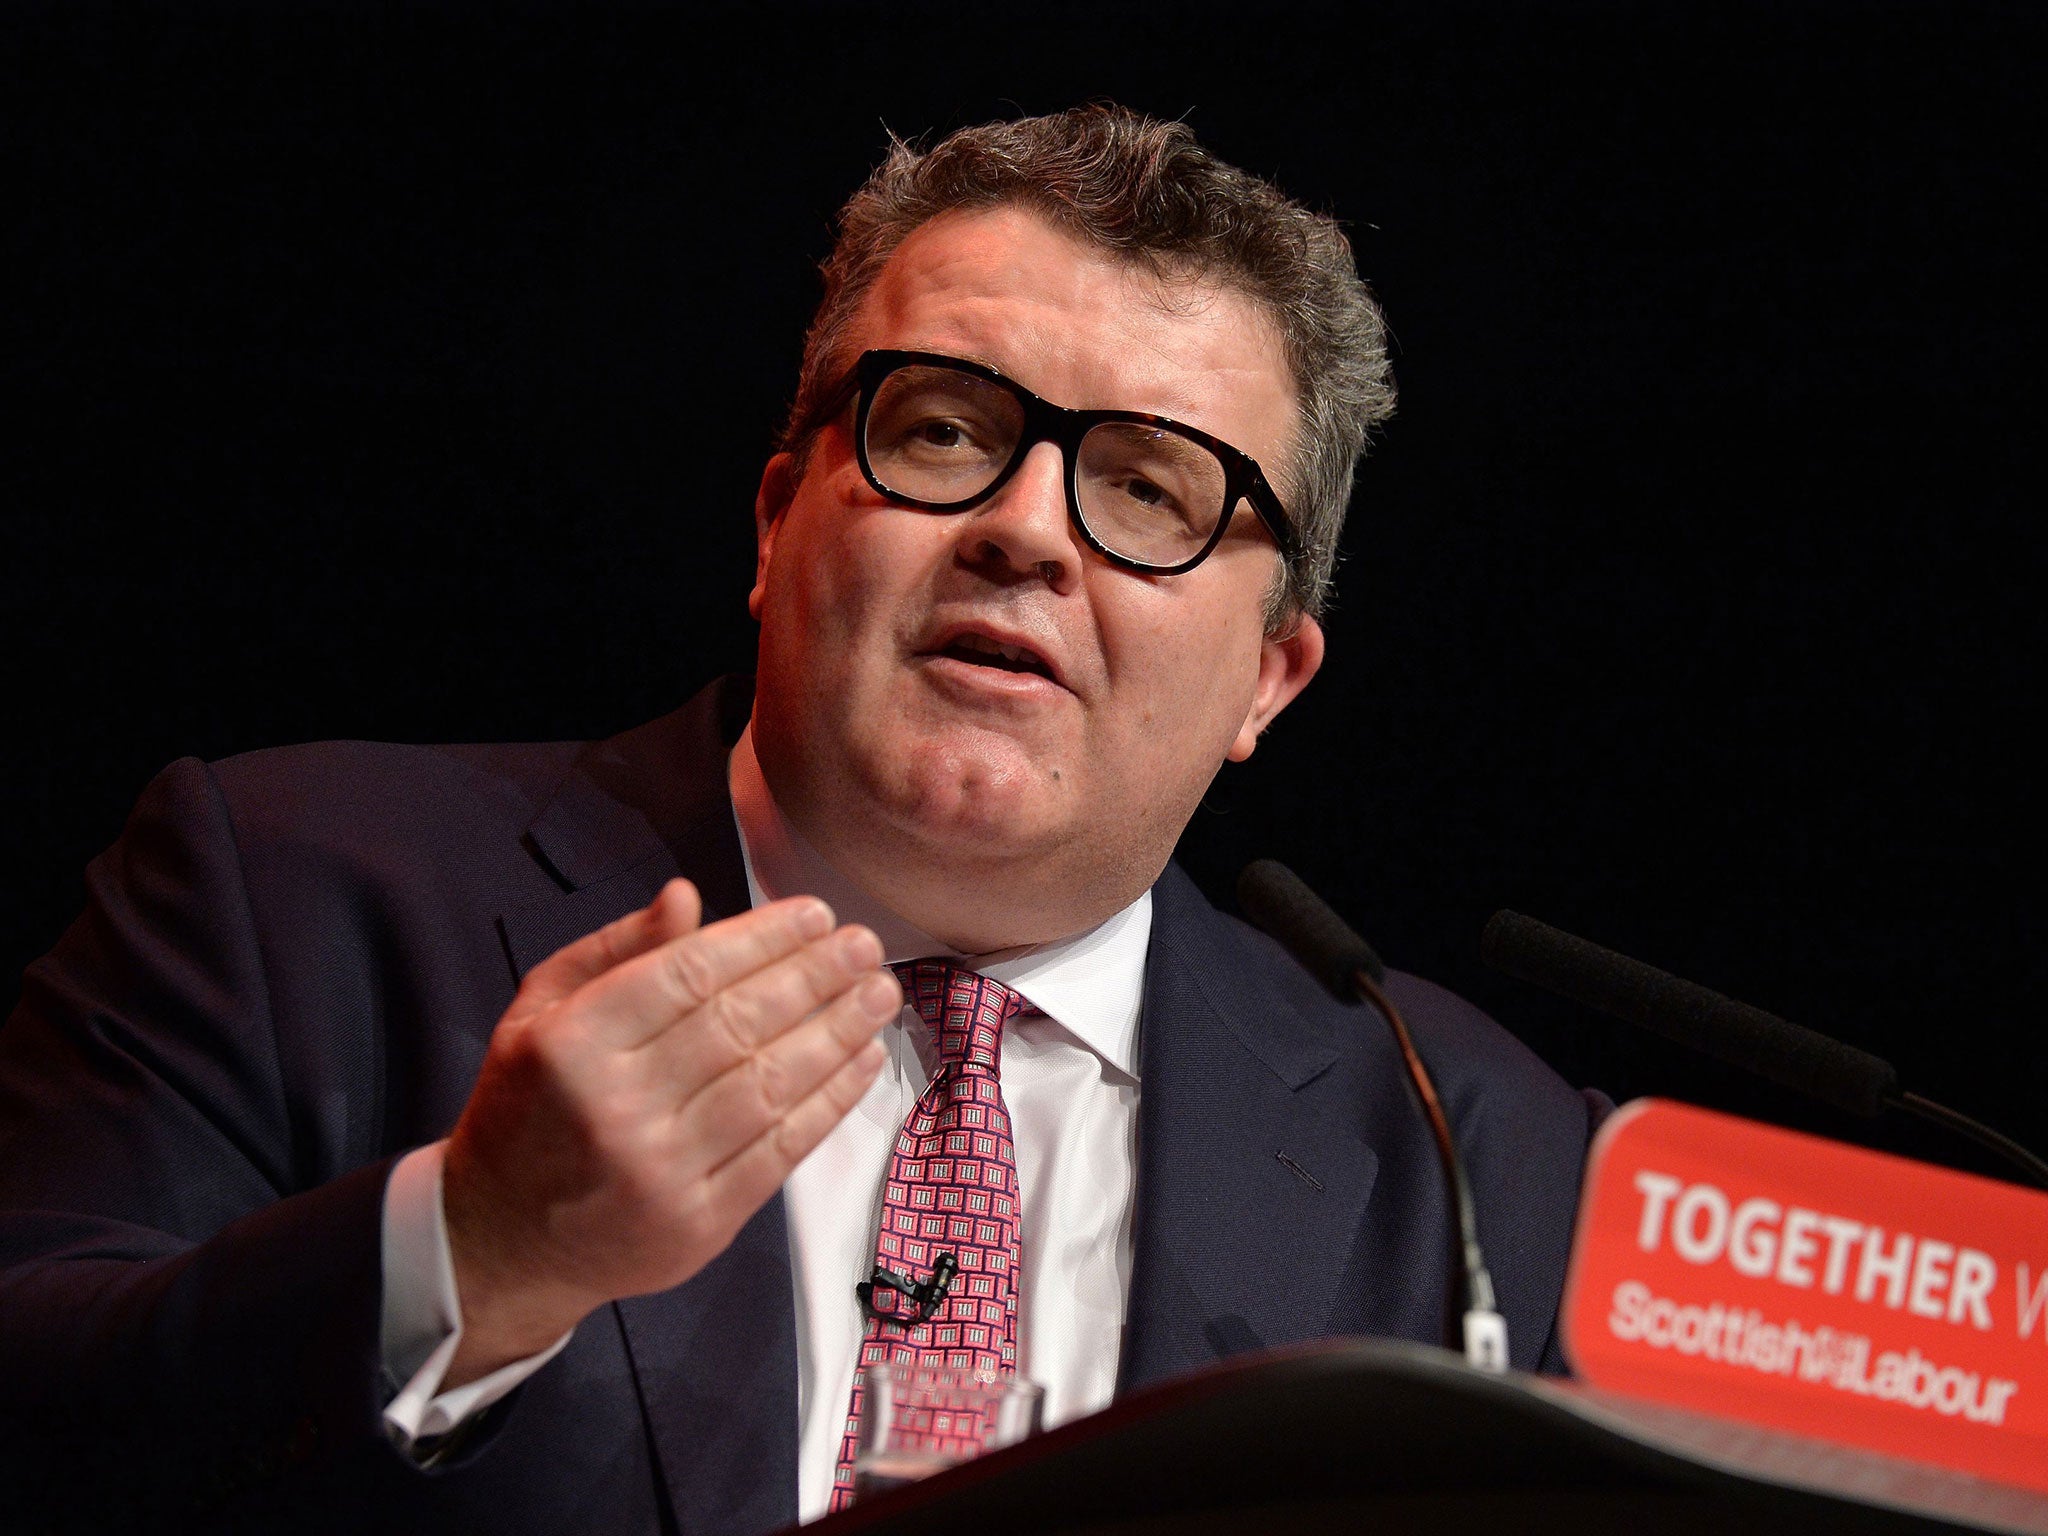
{"type": "Point", "coordinates": [1281, 903]}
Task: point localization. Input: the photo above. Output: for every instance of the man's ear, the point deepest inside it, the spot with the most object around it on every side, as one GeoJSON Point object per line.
{"type": "Point", "coordinates": [1286, 664]}
{"type": "Point", "coordinates": [778, 489]}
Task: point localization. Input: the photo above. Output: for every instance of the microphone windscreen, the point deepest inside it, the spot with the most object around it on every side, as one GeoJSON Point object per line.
{"type": "Point", "coordinates": [1742, 1036]}
{"type": "Point", "coordinates": [1276, 899]}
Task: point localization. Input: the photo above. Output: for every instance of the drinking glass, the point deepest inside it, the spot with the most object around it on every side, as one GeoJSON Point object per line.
{"type": "Point", "coordinates": [916, 1420]}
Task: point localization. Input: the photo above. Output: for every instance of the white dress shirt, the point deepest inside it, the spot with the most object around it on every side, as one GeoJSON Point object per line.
{"type": "Point", "coordinates": [1069, 1075]}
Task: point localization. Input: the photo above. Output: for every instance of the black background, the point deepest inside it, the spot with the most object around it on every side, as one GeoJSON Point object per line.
{"type": "Point", "coordinates": [406, 373]}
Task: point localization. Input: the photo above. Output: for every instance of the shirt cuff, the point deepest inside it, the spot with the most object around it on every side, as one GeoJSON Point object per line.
{"type": "Point", "coordinates": [422, 1318]}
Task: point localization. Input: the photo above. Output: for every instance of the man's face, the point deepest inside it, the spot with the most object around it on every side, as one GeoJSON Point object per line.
{"type": "Point", "coordinates": [919, 761]}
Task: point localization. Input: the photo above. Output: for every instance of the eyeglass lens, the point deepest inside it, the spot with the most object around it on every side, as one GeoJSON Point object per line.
{"type": "Point", "coordinates": [1147, 493]}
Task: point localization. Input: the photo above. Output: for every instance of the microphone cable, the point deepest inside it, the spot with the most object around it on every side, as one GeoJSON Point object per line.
{"type": "Point", "coordinates": [1278, 901]}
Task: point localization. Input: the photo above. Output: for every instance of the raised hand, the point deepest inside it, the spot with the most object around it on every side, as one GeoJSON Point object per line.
{"type": "Point", "coordinates": [649, 1089]}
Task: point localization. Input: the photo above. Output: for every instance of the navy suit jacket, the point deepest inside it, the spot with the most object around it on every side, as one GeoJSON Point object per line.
{"type": "Point", "coordinates": [286, 976]}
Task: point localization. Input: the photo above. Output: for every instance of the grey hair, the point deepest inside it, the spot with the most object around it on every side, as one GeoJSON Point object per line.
{"type": "Point", "coordinates": [1147, 191]}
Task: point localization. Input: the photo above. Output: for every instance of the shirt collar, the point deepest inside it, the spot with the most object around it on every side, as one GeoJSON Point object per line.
{"type": "Point", "coordinates": [1090, 984]}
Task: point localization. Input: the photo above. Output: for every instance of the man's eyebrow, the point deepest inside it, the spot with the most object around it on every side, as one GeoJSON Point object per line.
{"type": "Point", "coordinates": [962, 354]}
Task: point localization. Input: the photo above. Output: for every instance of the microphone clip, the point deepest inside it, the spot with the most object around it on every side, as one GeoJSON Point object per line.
{"type": "Point", "coordinates": [880, 1295]}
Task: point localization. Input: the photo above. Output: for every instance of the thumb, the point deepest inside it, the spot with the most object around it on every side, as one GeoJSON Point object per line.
{"type": "Point", "coordinates": [675, 911]}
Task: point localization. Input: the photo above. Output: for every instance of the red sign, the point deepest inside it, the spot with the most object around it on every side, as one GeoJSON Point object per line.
{"type": "Point", "coordinates": [1785, 1280]}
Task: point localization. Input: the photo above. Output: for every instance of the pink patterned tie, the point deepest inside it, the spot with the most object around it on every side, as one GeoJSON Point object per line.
{"type": "Point", "coordinates": [950, 1202]}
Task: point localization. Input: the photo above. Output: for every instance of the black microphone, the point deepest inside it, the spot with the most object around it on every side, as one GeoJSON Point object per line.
{"type": "Point", "coordinates": [1788, 1054]}
{"type": "Point", "coordinates": [924, 1297]}
{"type": "Point", "coordinates": [1785, 1053]}
{"type": "Point", "coordinates": [1280, 902]}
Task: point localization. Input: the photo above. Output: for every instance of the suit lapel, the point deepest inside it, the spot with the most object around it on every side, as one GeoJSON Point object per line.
{"type": "Point", "coordinates": [633, 813]}
{"type": "Point", "coordinates": [715, 1364]}
{"type": "Point", "coordinates": [1252, 1172]}
{"type": "Point", "coordinates": [714, 1359]}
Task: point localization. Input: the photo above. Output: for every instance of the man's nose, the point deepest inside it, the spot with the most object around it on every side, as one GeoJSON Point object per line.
{"type": "Point", "coordinates": [1023, 530]}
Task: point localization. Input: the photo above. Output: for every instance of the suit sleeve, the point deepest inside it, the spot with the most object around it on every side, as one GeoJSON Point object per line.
{"type": "Point", "coordinates": [187, 1324]}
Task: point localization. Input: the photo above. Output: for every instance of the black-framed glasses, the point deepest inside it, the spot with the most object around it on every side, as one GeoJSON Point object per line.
{"type": "Point", "coordinates": [944, 434]}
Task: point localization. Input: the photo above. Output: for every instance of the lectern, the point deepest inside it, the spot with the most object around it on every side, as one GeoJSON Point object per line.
{"type": "Point", "coordinates": [1385, 1438]}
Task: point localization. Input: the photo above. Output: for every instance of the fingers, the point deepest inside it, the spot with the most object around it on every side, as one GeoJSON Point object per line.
{"type": "Point", "coordinates": [768, 1084]}
{"type": "Point", "coordinates": [641, 996]}
{"type": "Point", "coordinates": [757, 1168]}
{"type": "Point", "coordinates": [738, 1021]}
{"type": "Point", "coordinates": [675, 911]}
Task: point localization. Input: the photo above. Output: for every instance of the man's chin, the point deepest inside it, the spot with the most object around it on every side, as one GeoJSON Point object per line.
{"type": "Point", "coordinates": [982, 791]}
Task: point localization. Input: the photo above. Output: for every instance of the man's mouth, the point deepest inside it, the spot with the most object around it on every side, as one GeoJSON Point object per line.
{"type": "Point", "coordinates": [981, 651]}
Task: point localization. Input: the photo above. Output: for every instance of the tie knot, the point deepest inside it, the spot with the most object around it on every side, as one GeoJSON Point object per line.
{"type": "Point", "coordinates": [964, 1010]}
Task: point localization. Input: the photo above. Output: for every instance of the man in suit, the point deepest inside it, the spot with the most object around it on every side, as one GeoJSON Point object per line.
{"type": "Point", "coordinates": [494, 1136]}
